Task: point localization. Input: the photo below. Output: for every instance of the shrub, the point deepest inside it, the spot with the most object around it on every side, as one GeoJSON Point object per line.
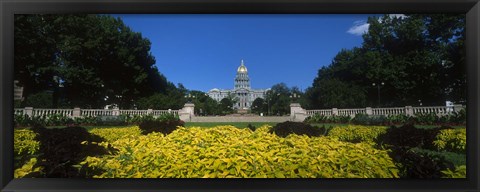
{"type": "Point", "coordinates": [113, 134]}
{"type": "Point", "coordinates": [37, 121]}
{"type": "Point", "coordinates": [251, 127]}
{"type": "Point", "coordinates": [25, 147]}
{"type": "Point", "coordinates": [167, 117]}
{"type": "Point", "coordinates": [409, 136]}
{"type": "Point", "coordinates": [357, 133]}
{"type": "Point", "coordinates": [453, 140]}
{"type": "Point", "coordinates": [454, 158]}
{"type": "Point", "coordinates": [398, 119]}
{"type": "Point", "coordinates": [363, 119]}
{"type": "Point", "coordinates": [341, 118]}
{"type": "Point", "coordinates": [229, 152]}
{"type": "Point", "coordinates": [165, 125]}
{"type": "Point", "coordinates": [21, 120]}
{"type": "Point", "coordinates": [62, 149]}
{"type": "Point", "coordinates": [286, 128]}
{"type": "Point", "coordinates": [317, 118]}
{"type": "Point", "coordinates": [459, 117]}
{"type": "Point", "coordinates": [57, 120]}
{"type": "Point", "coordinates": [133, 119]}
{"type": "Point", "coordinates": [110, 120]}
{"type": "Point", "coordinates": [29, 169]}
{"type": "Point", "coordinates": [426, 118]}
{"type": "Point", "coordinates": [417, 164]}
{"type": "Point", "coordinates": [85, 120]}
{"type": "Point", "coordinates": [459, 172]}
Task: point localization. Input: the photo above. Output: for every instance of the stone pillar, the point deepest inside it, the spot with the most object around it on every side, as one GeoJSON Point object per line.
{"type": "Point", "coordinates": [187, 112]}
{"type": "Point", "coordinates": [149, 111]}
{"type": "Point", "coordinates": [369, 111]}
{"type": "Point", "coordinates": [334, 111]}
{"type": "Point", "coordinates": [169, 110]}
{"type": "Point", "coordinates": [116, 112]}
{"type": "Point", "coordinates": [76, 112]}
{"type": "Point", "coordinates": [29, 111]}
{"type": "Point", "coordinates": [297, 113]}
{"type": "Point", "coordinates": [457, 108]}
{"type": "Point", "coordinates": [409, 111]}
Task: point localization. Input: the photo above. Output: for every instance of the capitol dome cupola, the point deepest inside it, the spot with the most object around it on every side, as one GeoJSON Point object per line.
{"type": "Point", "coordinates": [242, 80]}
{"type": "Point", "coordinates": [242, 68]}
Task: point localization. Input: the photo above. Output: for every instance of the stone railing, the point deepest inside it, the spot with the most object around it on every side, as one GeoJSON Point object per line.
{"type": "Point", "coordinates": [299, 114]}
{"type": "Point", "coordinates": [185, 113]}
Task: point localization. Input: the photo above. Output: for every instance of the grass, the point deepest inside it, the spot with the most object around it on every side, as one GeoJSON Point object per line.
{"type": "Point", "coordinates": [256, 124]}
{"type": "Point", "coordinates": [236, 124]}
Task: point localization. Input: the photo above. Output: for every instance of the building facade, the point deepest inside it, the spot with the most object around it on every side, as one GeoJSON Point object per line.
{"type": "Point", "coordinates": [242, 93]}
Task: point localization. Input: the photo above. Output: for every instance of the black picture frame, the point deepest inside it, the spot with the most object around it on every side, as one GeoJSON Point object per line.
{"type": "Point", "coordinates": [8, 8]}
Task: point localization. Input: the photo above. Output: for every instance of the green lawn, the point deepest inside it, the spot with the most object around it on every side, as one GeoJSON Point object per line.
{"type": "Point", "coordinates": [256, 124]}
{"type": "Point", "coordinates": [236, 124]}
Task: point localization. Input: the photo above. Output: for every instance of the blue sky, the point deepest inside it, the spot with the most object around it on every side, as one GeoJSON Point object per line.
{"type": "Point", "coordinates": [203, 51]}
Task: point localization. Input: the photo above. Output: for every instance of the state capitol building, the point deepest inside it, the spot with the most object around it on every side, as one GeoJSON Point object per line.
{"type": "Point", "coordinates": [242, 91]}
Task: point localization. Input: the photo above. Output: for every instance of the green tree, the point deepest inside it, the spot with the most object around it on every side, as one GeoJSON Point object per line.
{"type": "Point", "coordinates": [96, 58]}
{"type": "Point", "coordinates": [259, 105]}
{"type": "Point", "coordinates": [226, 106]}
{"type": "Point", "coordinates": [417, 57]}
{"type": "Point", "coordinates": [278, 98]}
{"type": "Point", "coordinates": [204, 105]}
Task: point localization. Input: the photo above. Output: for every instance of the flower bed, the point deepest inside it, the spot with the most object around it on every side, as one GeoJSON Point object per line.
{"type": "Point", "coordinates": [227, 152]}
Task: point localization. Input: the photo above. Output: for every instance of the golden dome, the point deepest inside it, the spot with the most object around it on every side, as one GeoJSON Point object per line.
{"type": "Point", "coordinates": [242, 68]}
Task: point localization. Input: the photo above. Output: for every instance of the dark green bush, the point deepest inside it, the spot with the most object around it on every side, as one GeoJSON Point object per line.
{"type": "Point", "coordinates": [417, 164]}
{"type": "Point", "coordinates": [165, 124]}
{"type": "Point", "coordinates": [251, 127]}
{"type": "Point", "coordinates": [363, 119]}
{"type": "Point", "coordinates": [110, 120]}
{"type": "Point", "coordinates": [167, 117]}
{"type": "Point", "coordinates": [86, 120]}
{"type": "Point", "coordinates": [426, 119]}
{"type": "Point", "coordinates": [37, 121]}
{"type": "Point", "coordinates": [57, 120]}
{"type": "Point", "coordinates": [455, 118]}
{"type": "Point", "coordinates": [317, 118]}
{"type": "Point", "coordinates": [456, 159]}
{"type": "Point", "coordinates": [410, 136]}
{"type": "Point", "coordinates": [61, 150]}
{"type": "Point", "coordinates": [21, 120]}
{"type": "Point", "coordinates": [286, 128]}
{"type": "Point", "coordinates": [459, 117]}
{"type": "Point", "coordinates": [398, 119]}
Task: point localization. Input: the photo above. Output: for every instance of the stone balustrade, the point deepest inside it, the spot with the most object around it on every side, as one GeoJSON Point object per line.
{"type": "Point", "coordinates": [299, 114]}
{"type": "Point", "coordinates": [77, 112]}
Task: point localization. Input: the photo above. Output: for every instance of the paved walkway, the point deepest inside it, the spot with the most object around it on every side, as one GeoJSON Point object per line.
{"type": "Point", "coordinates": [241, 119]}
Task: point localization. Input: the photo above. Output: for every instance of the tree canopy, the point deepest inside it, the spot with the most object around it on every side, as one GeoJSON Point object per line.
{"type": "Point", "coordinates": [419, 58]}
{"type": "Point", "coordinates": [85, 61]}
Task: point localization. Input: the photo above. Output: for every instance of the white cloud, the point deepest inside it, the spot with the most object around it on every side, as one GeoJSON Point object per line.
{"type": "Point", "coordinates": [402, 16]}
{"type": "Point", "coordinates": [359, 28]}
